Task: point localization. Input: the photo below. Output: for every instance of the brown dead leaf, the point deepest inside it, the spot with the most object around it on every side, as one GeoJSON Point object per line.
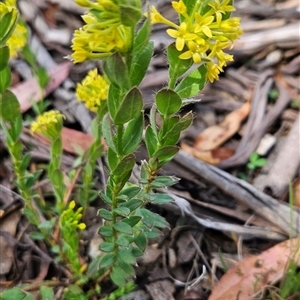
{"type": "Point", "coordinates": [213, 157]}
{"type": "Point", "coordinates": [73, 141]}
{"type": "Point", "coordinates": [214, 136]}
{"type": "Point", "coordinates": [253, 273]}
{"type": "Point", "coordinates": [29, 92]}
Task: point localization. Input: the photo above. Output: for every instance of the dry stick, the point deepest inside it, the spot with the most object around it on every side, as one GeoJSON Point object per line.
{"type": "Point", "coordinates": [250, 142]}
{"type": "Point", "coordinates": [267, 207]}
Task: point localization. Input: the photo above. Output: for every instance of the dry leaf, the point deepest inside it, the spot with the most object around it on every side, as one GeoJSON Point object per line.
{"type": "Point", "coordinates": [29, 92]}
{"type": "Point", "coordinates": [214, 136]}
{"type": "Point", "coordinates": [213, 157]}
{"type": "Point", "coordinates": [252, 274]}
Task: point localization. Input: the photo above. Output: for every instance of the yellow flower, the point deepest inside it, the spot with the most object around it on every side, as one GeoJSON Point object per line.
{"type": "Point", "coordinates": [213, 71]}
{"type": "Point", "coordinates": [49, 123]}
{"type": "Point", "coordinates": [179, 7]}
{"type": "Point", "coordinates": [92, 90]}
{"type": "Point", "coordinates": [202, 24]}
{"type": "Point", "coordinates": [17, 40]}
{"type": "Point", "coordinates": [181, 35]}
{"type": "Point", "coordinates": [196, 51]}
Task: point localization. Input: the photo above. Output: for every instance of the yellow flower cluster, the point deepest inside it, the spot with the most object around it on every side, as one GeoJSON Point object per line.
{"type": "Point", "coordinates": [92, 90]}
{"type": "Point", "coordinates": [18, 39]}
{"type": "Point", "coordinates": [49, 123]}
{"type": "Point", "coordinates": [70, 218]}
{"type": "Point", "coordinates": [103, 32]}
{"type": "Point", "coordinates": [203, 33]}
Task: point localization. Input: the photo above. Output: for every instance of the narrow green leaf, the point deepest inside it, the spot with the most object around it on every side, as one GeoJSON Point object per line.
{"type": "Point", "coordinates": [57, 178]}
{"type": "Point", "coordinates": [107, 131]}
{"type": "Point", "coordinates": [140, 64]}
{"type": "Point", "coordinates": [168, 102]}
{"type": "Point", "coordinates": [116, 71]}
{"type": "Point", "coordinates": [107, 260]}
{"type": "Point", "coordinates": [105, 214]}
{"type": "Point", "coordinates": [127, 268]}
{"type": "Point", "coordinates": [159, 221]}
{"type": "Point", "coordinates": [193, 83]}
{"type": "Point", "coordinates": [166, 180]}
{"type": "Point", "coordinates": [35, 235]}
{"type": "Point", "coordinates": [9, 106]}
{"type": "Point", "coordinates": [131, 192]}
{"type": "Point", "coordinates": [130, 107]}
{"type": "Point", "coordinates": [125, 165]}
{"type": "Point", "coordinates": [105, 198]}
{"type": "Point", "coordinates": [142, 37]}
{"type": "Point", "coordinates": [114, 99]}
{"type": "Point", "coordinates": [4, 57]}
{"type": "Point", "coordinates": [132, 135]}
{"type": "Point", "coordinates": [123, 228]}
{"type": "Point", "coordinates": [166, 153]}
{"type": "Point", "coordinates": [151, 141]}
{"type": "Point", "coordinates": [112, 159]}
{"type": "Point", "coordinates": [151, 233]}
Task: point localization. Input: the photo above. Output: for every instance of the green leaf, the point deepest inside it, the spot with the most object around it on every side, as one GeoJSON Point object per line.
{"type": "Point", "coordinates": [107, 131]}
{"type": "Point", "coordinates": [127, 268]}
{"type": "Point", "coordinates": [151, 141]}
{"type": "Point", "coordinates": [35, 235]}
{"type": "Point", "coordinates": [166, 153]}
{"type": "Point", "coordinates": [107, 260]}
{"type": "Point", "coordinates": [112, 159]}
{"type": "Point", "coordinates": [162, 199]}
{"type": "Point", "coordinates": [125, 165]}
{"type": "Point", "coordinates": [136, 252]}
{"type": "Point", "coordinates": [5, 79]}
{"type": "Point", "coordinates": [166, 180]}
{"type": "Point", "coordinates": [122, 211]}
{"type": "Point", "coordinates": [122, 240]}
{"type": "Point", "coordinates": [114, 99]}
{"type": "Point", "coordinates": [177, 67]}
{"type": "Point", "coordinates": [131, 192]}
{"type": "Point", "coordinates": [56, 147]}
{"type": "Point", "coordinates": [132, 204]}
{"type": "Point", "coordinates": [141, 241]}
{"type": "Point", "coordinates": [130, 107]}
{"type": "Point", "coordinates": [107, 247]}
{"type": "Point", "coordinates": [4, 57]}
{"type": "Point", "coordinates": [106, 231]}
{"type": "Point", "coordinates": [151, 233]}
{"type": "Point", "coordinates": [47, 293]}
{"type": "Point", "coordinates": [57, 178]}
{"type": "Point", "coordinates": [132, 221]}
{"type": "Point", "coordinates": [105, 214]}
{"type": "Point", "coordinates": [147, 217]}
{"type": "Point", "coordinates": [116, 71]}
{"type": "Point", "coordinates": [9, 106]}
{"type": "Point", "coordinates": [130, 15]}
{"type": "Point", "coordinates": [13, 294]}
{"type": "Point", "coordinates": [125, 255]}
{"type": "Point", "coordinates": [118, 276]}
{"type": "Point", "coordinates": [105, 198]}
{"type": "Point", "coordinates": [123, 227]}
{"type": "Point", "coordinates": [193, 83]}
{"type": "Point", "coordinates": [140, 64]}
{"type": "Point", "coordinates": [159, 221]}
{"type": "Point", "coordinates": [142, 37]}
{"type": "Point", "coordinates": [43, 77]}
{"type": "Point", "coordinates": [132, 135]}
{"type": "Point", "coordinates": [168, 102]}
